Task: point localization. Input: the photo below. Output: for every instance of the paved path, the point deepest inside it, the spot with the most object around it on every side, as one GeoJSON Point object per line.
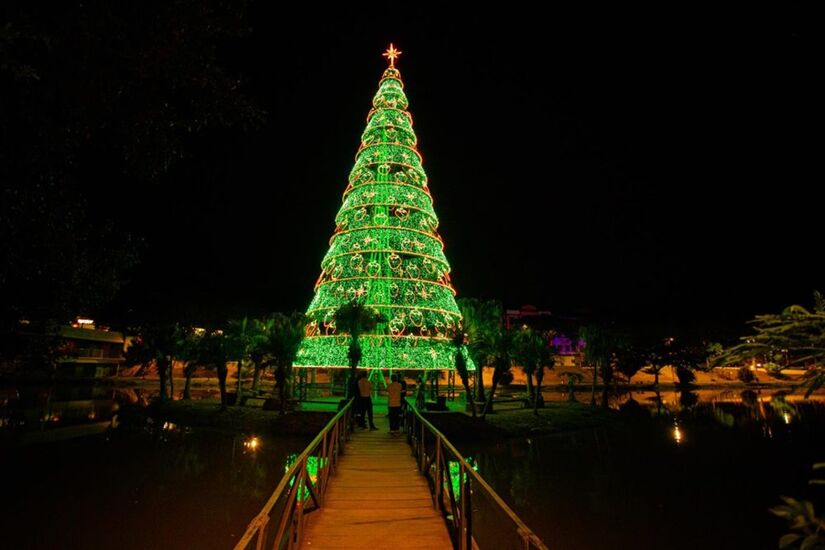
{"type": "Point", "coordinates": [377, 499]}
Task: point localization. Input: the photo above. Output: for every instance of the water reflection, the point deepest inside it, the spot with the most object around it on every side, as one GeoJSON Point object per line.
{"type": "Point", "coordinates": [705, 465]}
{"type": "Point", "coordinates": [66, 411]}
{"type": "Point", "coordinates": [156, 485]}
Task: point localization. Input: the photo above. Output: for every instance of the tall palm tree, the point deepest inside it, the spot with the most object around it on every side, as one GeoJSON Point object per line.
{"type": "Point", "coordinates": [239, 338]}
{"type": "Point", "coordinates": [355, 319]}
{"type": "Point", "coordinates": [158, 343]}
{"type": "Point", "coordinates": [460, 343]}
{"type": "Point", "coordinates": [600, 347]}
{"type": "Point", "coordinates": [259, 337]}
{"type": "Point", "coordinates": [496, 346]}
{"type": "Point", "coordinates": [285, 336]}
{"type": "Point", "coordinates": [534, 351]}
{"type": "Point", "coordinates": [479, 317]}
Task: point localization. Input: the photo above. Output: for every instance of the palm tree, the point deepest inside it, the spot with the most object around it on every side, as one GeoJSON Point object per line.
{"type": "Point", "coordinates": [240, 338]}
{"type": "Point", "coordinates": [599, 351]}
{"type": "Point", "coordinates": [285, 336]}
{"type": "Point", "coordinates": [460, 343]}
{"type": "Point", "coordinates": [190, 351]}
{"type": "Point", "coordinates": [796, 336]}
{"type": "Point", "coordinates": [478, 317]}
{"type": "Point", "coordinates": [533, 350]}
{"type": "Point", "coordinates": [157, 343]}
{"type": "Point", "coordinates": [259, 337]}
{"type": "Point", "coordinates": [355, 319]}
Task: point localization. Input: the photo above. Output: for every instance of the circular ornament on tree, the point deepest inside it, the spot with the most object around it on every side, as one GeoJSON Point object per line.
{"type": "Point", "coordinates": [356, 260]}
{"type": "Point", "coordinates": [396, 326]}
{"type": "Point", "coordinates": [429, 266]}
{"type": "Point", "coordinates": [380, 218]}
{"type": "Point", "coordinates": [402, 213]}
{"type": "Point", "coordinates": [413, 271]}
{"type": "Point", "coordinates": [394, 290]}
{"type": "Point", "coordinates": [373, 269]}
{"type": "Point", "coordinates": [337, 271]}
{"type": "Point", "coordinates": [384, 169]}
{"type": "Point", "coordinates": [416, 317]}
{"type": "Point", "coordinates": [406, 243]}
{"type": "Point", "coordinates": [409, 296]}
{"type": "Point", "coordinates": [395, 261]}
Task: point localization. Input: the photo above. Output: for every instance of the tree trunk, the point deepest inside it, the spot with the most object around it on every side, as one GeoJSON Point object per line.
{"type": "Point", "coordinates": [162, 371]}
{"type": "Point", "coordinates": [488, 405]}
{"type": "Point", "coordinates": [222, 372]}
{"type": "Point", "coordinates": [239, 391]}
{"type": "Point", "coordinates": [172, 379]}
{"type": "Point", "coordinates": [256, 377]}
{"type": "Point", "coordinates": [187, 393]}
{"type": "Point", "coordinates": [465, 380]}
{"type": "Point", "coordinates": [656, 378]}
{"type": "Point", "coordinates": [530, 393]}
{"type": "Point", "coordinates": [607, 379]}
{"type": "Point", "coordinates": [593, 388]}
{"type": "Point", "coordinates": [538, 396]}
{"type": "Point", "coordinates": [480, 383]}
{"type": "Point", "coordinates": [282, 382]}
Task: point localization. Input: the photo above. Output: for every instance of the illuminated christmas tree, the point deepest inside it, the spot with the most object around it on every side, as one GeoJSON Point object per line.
{"type": "Point", "coordinates": [386, 253]}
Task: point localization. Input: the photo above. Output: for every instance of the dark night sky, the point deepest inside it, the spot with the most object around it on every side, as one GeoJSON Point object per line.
{"type": "Point", "coordinates": [643, 171]}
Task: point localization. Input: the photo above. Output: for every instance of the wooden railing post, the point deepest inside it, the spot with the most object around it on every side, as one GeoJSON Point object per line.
{"type": "Point", "coordinates": [439, 475]}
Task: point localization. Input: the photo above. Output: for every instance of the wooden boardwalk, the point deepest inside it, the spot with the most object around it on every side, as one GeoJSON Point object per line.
{"type": "Point", "coordinates": [377, 499]}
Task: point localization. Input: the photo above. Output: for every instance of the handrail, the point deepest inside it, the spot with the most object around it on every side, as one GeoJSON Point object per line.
{"type": "Point", "coordinates": [298, 488]}
{"type": "Point", "coordinates": [457, 510]}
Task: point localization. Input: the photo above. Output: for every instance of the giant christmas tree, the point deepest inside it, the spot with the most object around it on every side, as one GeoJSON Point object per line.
{"type": "Point", "coordinates": [386, 252]}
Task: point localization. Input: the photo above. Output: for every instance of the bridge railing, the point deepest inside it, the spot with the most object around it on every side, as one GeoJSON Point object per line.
{"type": "Point", "coordinates": [280, 523]}
{"type": "Point", "coordinates": [475, 514]}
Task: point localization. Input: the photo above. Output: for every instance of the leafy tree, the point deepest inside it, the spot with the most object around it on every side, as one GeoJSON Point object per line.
{"type": "Point", "coordinates": [492, 344]}
{"type": "Point", "coordinates": [479, 317]}
{"type": "Point", "coordinates": [259, 331]}
{"type": "Point", "coordinates": [533, 350]}
{"type": "Point", "coordinates": [158, 343]}
{"type": "Point", "coordinates": [241, 338]}
{"type": "Point", "coordinates": [355, 319]}
{"type": "Point", "coordinates": [797, 335]}
{"type": "Point", "coordinates": [601, 345]}
{"type": "Point", "coordinates": [807, 529]}
{"type": "Point", "coordinates": [285, 338]}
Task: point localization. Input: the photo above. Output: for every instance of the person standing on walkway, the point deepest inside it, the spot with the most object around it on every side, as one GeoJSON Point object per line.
{"type": "Point", "coordinates": [394, 402]}
{"type": "Point", "coordinates": [365, 396]}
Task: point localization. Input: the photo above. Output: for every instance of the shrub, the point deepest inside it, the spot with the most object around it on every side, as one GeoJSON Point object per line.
{"type": "Point", "coordinates": [745, 374]}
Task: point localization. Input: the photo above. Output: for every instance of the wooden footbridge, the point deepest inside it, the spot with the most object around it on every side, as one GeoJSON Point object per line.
{"type": "Point", "coordinates": [369, 489]}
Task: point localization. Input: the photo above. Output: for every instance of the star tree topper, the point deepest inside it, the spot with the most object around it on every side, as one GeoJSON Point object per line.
{"type": "Point", "coordinates": [392, 54]}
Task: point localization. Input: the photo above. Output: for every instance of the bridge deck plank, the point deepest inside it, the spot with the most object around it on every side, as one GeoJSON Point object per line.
{"type": "Point", "coordinates": [377, 499]}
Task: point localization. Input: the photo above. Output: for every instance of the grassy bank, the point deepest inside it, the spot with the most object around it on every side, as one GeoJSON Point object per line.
{"type": "Point", "coordinates": [553, 418]}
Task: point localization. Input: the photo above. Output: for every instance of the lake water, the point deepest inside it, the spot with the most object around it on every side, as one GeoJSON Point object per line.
{"type": "Point", "coordinates": [701, 473]}
{"type": "Point", "coordinates": [153, 486]}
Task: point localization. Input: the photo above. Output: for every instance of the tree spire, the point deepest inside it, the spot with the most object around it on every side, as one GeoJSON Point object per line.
{"type": "Point", "coordinates": [392, 54]}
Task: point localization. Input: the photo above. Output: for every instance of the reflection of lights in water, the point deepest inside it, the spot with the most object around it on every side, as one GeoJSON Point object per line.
{"type": "Point", "coordinates": [786, 417]}
{"type": "Point", "coordinates": [252, 443]}
{"type": "Point", "coordinates": [678, 436]}
{"type": "Point", "coordinates": [91, 415]}
{"type": "Point", "coordinates": [169, 426]}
